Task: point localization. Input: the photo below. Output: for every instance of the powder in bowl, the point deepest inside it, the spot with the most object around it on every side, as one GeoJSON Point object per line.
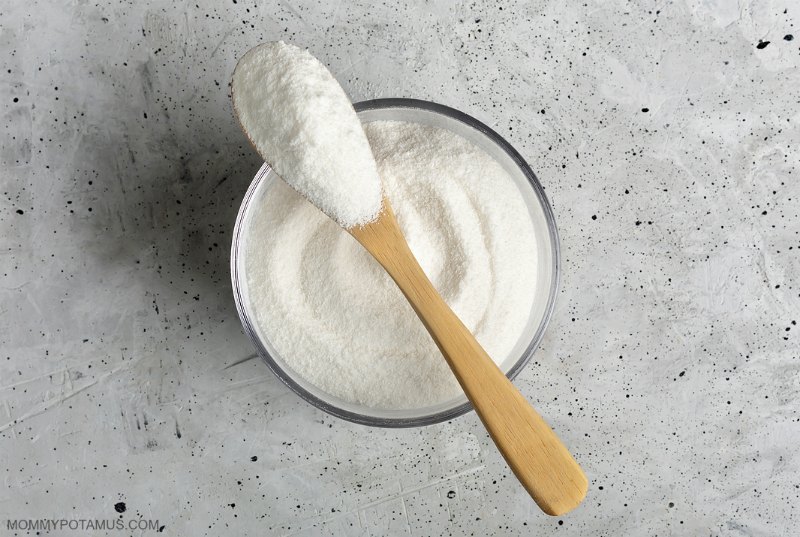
{"type": "Point", "coordinates": [335, 317]}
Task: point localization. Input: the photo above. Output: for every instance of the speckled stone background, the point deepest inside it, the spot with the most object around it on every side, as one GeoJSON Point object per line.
{"type": "Point", "coordinates": [666, 134]}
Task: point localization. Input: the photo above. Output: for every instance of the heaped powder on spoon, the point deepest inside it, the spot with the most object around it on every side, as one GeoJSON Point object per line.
{"type": "Point", "coordinates": [301, 122]}
{"type": "Point", "coordinates": [336, 318]}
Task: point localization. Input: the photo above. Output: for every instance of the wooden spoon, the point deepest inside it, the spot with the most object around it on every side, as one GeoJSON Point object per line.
{"type": "Point", "coordinates": [533, 451]}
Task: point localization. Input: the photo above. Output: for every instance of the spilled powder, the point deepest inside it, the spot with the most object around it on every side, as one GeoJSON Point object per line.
{"type": "Point", "coordinates": [301, 121]}
{"type": "Point", "coordinates": [334, 315]}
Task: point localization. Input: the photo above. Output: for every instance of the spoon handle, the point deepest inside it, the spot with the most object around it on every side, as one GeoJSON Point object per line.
{"type": "Point", "coordinates": [535, 454]}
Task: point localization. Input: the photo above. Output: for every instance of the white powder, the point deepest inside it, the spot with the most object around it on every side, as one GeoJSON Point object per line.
{"type": "Point", "coordinates": [302, 123]}
{"type": "Point", "coordinates": [334, 315]}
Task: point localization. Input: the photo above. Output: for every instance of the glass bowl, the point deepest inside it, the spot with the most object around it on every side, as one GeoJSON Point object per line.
{"type": "Point", "coordinates": [548, 259]}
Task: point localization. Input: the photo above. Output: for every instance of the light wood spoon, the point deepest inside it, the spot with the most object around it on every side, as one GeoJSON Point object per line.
{"type": "Point", "coordinates": [533, 451]}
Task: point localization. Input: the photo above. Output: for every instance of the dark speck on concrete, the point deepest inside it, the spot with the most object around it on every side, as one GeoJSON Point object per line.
{"type": "Point", "coordinates": [119, 507]}
{"type": "Point", "coordinates": [762, 45]}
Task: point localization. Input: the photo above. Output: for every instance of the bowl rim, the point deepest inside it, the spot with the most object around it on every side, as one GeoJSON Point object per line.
{"type": "Point", "coordinates": [447, 414]}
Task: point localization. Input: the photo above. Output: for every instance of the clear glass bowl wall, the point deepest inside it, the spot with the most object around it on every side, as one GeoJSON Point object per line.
{"type": "Point", "coordinates": [548, 259]}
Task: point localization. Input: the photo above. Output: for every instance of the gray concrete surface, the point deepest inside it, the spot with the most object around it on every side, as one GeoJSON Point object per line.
{"type": "Point", "coordinates": [666, 134]}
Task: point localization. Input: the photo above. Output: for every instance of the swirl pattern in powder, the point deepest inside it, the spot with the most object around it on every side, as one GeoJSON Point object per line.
{"type": "Point", "coordinates": [335, 317]}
